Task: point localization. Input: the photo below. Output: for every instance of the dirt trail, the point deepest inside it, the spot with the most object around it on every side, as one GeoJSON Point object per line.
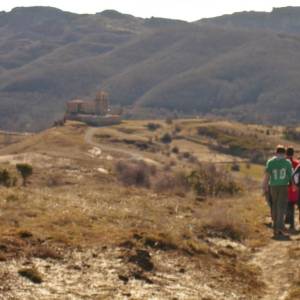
{"type": "Point", "coordinates": [91, 131]}
{"type": "Point", "coordinates": [278, 268]}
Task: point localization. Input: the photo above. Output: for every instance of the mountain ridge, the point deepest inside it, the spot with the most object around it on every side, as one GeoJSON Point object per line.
{"type": "Point", "coordinates": [225, 66]}
{"type": "Point", "coordinates": [285, 19]}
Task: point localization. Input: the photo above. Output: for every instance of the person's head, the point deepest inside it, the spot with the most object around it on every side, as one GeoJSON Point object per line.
{"type": "Point", "coordinates": [280, 150]}
{"type": "Point", "coordinates": [290, 152]}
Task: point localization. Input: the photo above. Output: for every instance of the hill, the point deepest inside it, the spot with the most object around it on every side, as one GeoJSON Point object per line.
{"type": "Point", "coordinates": [90, 215]}
{"type": "Point", "coordinates": [143, 209]}
{"type": "Point", "coordinates": [234, 66]}
{"type": "Point", "coordinates": [284, 19]}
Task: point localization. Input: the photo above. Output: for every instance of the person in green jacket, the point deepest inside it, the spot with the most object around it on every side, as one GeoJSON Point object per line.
{"type": "Point", "coordinates": [277, 178]}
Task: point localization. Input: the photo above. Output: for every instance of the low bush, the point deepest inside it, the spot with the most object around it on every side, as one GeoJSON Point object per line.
{"type": "Point", "coordinates": [32, 274]}
{"type": "Point", "coordinates": [25, 170]}
{"type": "Point", "coordinates": [135, 173]}
{"type": "Point", "coordinates": [235, 167]}
{"type": "Point", "coordinates": [222, 223]}
{"type": "Point", "coordinates": [186, 155]}
{"type": "Point", "coordinates": [45, 252]}
{"type": "Point", "coordinates": [166, 138]}
{"type": "Point", "coordinates": [153, 126]}
{"type": "Point", "coordinates": [175, 150]}
{"type": "Point", "coordinates": [167, 181]}
{"type": "Point", "coordinates": [177, 129]}
{"type": "Point", "coordinates": [5, 178]}
{"type": "Point", "coordinates": [208, 180]}
{"type": "Point", "coordinates": [193, 159]}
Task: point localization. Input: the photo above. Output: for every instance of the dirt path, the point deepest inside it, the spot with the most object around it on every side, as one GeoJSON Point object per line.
{"type": "Point", "coordinates": [278, 268]}
{"type": "Point", "coordinates": [91, 131]}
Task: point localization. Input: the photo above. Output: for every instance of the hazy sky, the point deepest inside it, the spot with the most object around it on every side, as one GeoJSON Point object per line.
{"type": "Point", "coordinates": [178, 9]}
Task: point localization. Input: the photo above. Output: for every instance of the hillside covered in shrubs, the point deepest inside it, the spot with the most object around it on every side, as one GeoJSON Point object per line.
{"type": "Point", "coordinates": [245, 66]}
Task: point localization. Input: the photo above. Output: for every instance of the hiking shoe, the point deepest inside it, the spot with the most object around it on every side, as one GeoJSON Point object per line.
{"type": "Point", "coordinates": [293, 230]}
{"type": "Point", "coordinates": [284, 231]}
{"type": "Point", "coordinates": [281, 237]}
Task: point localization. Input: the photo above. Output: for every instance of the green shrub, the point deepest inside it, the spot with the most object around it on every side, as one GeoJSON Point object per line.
{"type": "Point", "coordinates": [175, 150]}
{"type": "Point", "coordinates": [153, 126]}
{"type": "Point", "coordinates": [207, 180]}
{"type": "Point", "coordinates": [166, 138]}
{"type": "Point", "coordinates": [235, 167]}
{"type": "Point", "coordinates": [5, 178]}
{"type": "Point", "coordinates": [25, 170]}
{"type": "Point", "coordinates": [134, 173]}
{"type": "Point", "coordinates": [177, 129]}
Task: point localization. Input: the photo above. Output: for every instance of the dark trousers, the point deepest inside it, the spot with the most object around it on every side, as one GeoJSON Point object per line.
{"type": "Point", "coordinates": [290, 214]}
{"type": "Point", "coordinates": [269, 201]}
{"type": "Point", "coordinates": [279, 203]}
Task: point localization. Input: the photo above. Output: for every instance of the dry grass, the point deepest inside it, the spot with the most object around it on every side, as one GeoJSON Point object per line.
{"type": "Point", "coordinates": [111, 214]}
{"type": "Point", "coordinates": [172, 182]}
{"type": "Point", "coordinates": [53, 210]}
{"type": "Point", "coordinates": [7, 139]}
{"type": "Point", "coordinates": [224, 224]}
{"type": "Point", "coordinates": [294, 291]}
{"type": "Point", "coordinates": [69, 204]}
{"type": "Point", "coordinates": [294, 294]}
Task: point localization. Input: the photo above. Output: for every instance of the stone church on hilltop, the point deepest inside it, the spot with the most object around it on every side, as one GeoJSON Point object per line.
{"type": "Point", "coordinates": [92, 112]}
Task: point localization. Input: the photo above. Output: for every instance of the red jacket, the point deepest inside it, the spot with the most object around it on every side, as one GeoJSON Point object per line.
{"type": "Point", "coordinates": [293, 195]}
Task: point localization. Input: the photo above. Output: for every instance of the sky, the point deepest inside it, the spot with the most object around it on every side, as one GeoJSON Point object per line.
{"type": "Point", "coordinates": [189, 10]}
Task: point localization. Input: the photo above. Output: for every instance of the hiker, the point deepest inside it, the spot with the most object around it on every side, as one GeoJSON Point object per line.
{"type": "Point", "coordinates": [296, 181]}
{"type": "Point", "coordinates": [278, 176]}
{"type": "Point", "coordinates": [293, 194]}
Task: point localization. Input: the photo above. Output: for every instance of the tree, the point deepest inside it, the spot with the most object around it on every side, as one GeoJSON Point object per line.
{"type": "Point", "coordinates": [25, 170]}
{"type": "Point", "coordinates": [166, 138]}
{"type": "Point", "coordinates": [5, 178]}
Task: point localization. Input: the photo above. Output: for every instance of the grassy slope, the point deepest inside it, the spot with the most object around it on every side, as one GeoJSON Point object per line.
{"type": "Point", "coordinates": [69, 203]}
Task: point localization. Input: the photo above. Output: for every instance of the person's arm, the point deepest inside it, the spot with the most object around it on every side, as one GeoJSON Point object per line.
{"type": "Point", "coordinates": [290, 173]}
{"type": "Point", "coordinates": [295, 176]}
{"type": "Point", "coordinates": [265, 184]}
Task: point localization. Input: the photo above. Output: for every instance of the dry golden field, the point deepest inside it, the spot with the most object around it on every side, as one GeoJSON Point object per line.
{"type": "Point", "coordinates": [114, 213]}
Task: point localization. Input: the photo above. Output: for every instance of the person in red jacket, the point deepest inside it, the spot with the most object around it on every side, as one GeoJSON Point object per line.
{"type": "Point", "coordinates": [293, 194]}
